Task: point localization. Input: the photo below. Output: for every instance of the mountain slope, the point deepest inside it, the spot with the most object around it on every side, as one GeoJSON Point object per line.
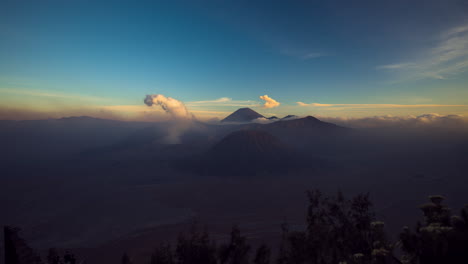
{"type": "Point", "coordinates": [307, 125]}
{"type": "Point", "coordinates": [304, 132]}
{"type": "Point", "coordinates": [248, 153]}
{"type": "Point", "coordinates": [249, 144]}
{"type": "Point", "coordinates": [242, 115]}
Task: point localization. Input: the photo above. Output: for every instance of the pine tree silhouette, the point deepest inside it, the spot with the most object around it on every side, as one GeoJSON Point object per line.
{"type": "Point", "coordinates": [236, 251]}
{"type": "Point", "coordinates": [126, 259]}
{"type": "Point", "coordinates": [442, 238]}
{"type": "Point", "coordinates": [17, 250]}
{"type": "Point", "coordinates": [262, 256]}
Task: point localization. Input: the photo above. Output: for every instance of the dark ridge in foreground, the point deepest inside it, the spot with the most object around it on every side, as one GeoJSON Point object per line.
{"type": "Point", "coordinates": [338, 230]}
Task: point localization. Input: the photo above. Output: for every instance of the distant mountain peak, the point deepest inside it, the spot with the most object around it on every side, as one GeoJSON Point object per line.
{"type": "Point", "coordinates": [311, 118]}
{"type": "Point", "coordinates": [290, 117]}
{"type": "Point", "coordinates": [242, 115]}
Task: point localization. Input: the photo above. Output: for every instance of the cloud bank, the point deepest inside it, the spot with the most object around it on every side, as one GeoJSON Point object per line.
{"type": "Point", "coordinates": [378, 105]}
{"type": "Point", "coordinates": [432, 120]}
{"type": "Point", "coordinates": [269, 102]}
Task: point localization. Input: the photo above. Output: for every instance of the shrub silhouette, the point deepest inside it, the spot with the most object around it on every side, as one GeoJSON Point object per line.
{"type": "Point", "coordinates": [162, 255]}
{"type": "Point", "coordinates": [338, 231]}
{"type": "Point", "coordinates": [262, 256]}
{"type": "Point", "coordinates": [195, 248]}
{"type": "Point", "coordinates": [442, 238]}
{"type": "Point", "coordinates": [126, 259]}
{"type": "Point", "coordinates": [236, 251]}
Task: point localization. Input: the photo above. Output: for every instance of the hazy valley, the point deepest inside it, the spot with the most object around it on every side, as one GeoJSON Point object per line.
{"type": "Point", "coordinates": [101, 186]}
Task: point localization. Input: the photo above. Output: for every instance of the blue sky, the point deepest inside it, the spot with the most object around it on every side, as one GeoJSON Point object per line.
{"type": "Point", "coordinates": [78, 56]}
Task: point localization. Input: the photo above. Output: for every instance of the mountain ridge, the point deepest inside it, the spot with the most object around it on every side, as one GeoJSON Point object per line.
{"type": "Point", "coordinates": [242, 115]}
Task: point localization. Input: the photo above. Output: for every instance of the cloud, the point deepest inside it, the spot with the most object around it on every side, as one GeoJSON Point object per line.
{"type": "Point", "coordinates": [219, 100]}
{"type": "Point", "coordinates": [301, 53]}
{"type": "Point", "coordinates": [313, 104]}
{"type": "Point", "coordinates": [40, 93]}
{"type": "Point", "coordinates": [366, 106]}
{"type": "Point", "coordinates": [312, 55]}
{"type": "Point", "coordinates": [269, 102]}
{"type": "Point", "coordinates": [432, 120]}
{"type": "Point", "coordinates": [447, 58]}
{"type": "Point", "coordinates": [172, 106]}
{"type": "Point", "coordinates": [396, 66]}
{"type": "Point", "coordinates": [263, 120]}
{"type": "Point", "coordinates": [223, 101]}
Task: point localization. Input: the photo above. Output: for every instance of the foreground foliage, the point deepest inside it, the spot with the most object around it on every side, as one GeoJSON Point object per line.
{"type": "Point", "coordinates": [337, 231]}
{"type": "Point", "coordinates": [342, 231]}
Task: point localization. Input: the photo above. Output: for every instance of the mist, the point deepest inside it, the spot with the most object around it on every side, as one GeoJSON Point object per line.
{"type": "Point", "coordinates": [234, 132]}
{"type": "Point", "coordinates": [182, 169]}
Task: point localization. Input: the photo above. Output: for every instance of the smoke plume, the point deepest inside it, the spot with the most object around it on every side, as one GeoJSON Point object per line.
{"type": "Point", "coordinates": [181, 122]}
{"type": "Point", "coordinates": [172, 106]}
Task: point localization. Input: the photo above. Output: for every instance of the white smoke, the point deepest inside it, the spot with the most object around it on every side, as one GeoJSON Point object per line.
{"type": "Point", "coordinates": [172, 106]}
{"type": "Point", "coordinates": [181, 121]}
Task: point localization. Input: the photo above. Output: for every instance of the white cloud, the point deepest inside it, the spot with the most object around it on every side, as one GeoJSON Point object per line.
{"type": "Point", "coordinates": [447, 58]}
{"type": "Point", "coordinates": [421, 121]}
{"type": "Point", "coordinates": [397, 66]}
{"type": "Point", "coordinates": [223, 101]}
{"type": "Point", "coordinates": [312, 55]}
{"type": "Point", "coordinates": [263, 120]}
{"type": "Point", "coordinates": [219, 100]}
{"type": "Point", "coordinates": [314, 104]}
{"type": "Point", "coordinates": [269, 102]}
{"type": "Point", "coordinates": [41, 93]}
{"type": "Point", "coordinates": [365, 106]}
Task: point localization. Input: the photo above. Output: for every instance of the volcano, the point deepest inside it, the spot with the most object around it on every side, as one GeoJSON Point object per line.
{"type": "Point", "coordinates": [249, 144]}
{"type": "Point", "coordinates": [242, 115]}
{"type": "Point", "coordinates": [304, 132]}
{"type": "Point", "coordinates": [247, 153]}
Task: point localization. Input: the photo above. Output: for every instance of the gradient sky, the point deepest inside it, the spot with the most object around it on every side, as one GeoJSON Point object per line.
{"type": "Point", "coordinates": [338, 58]}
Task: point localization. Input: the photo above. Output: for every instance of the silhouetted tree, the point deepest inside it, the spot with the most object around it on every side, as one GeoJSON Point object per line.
{"type": "Point", "coordinates": [195, 248]}
{"type": "Point", "coordinates": [17, 250]}
{"type": "Point", "coordinates": [236, 251]}
{"type": "Point", "coordinates": [339, 230]}
{"type": "Point", "coordinates": [53, 257]}
{"type": "Point", "coordinates": [126, 259]}
{"type": "Point", "coordinates": [162, 255]}
{"type": "Point", "coordinates": [262, 256]}
{"type": "Point", "coordinates": [283, 251]}
{"type": "Point", "coordinates": [442, 238]}
{"type": "Point", "coordinates": [294, 248]}
{"type": "Point", "coordinates": [69, 258]}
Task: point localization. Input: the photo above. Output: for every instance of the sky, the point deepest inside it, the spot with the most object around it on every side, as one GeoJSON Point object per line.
{"type": "Point", "coordinates": [323, 58]}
